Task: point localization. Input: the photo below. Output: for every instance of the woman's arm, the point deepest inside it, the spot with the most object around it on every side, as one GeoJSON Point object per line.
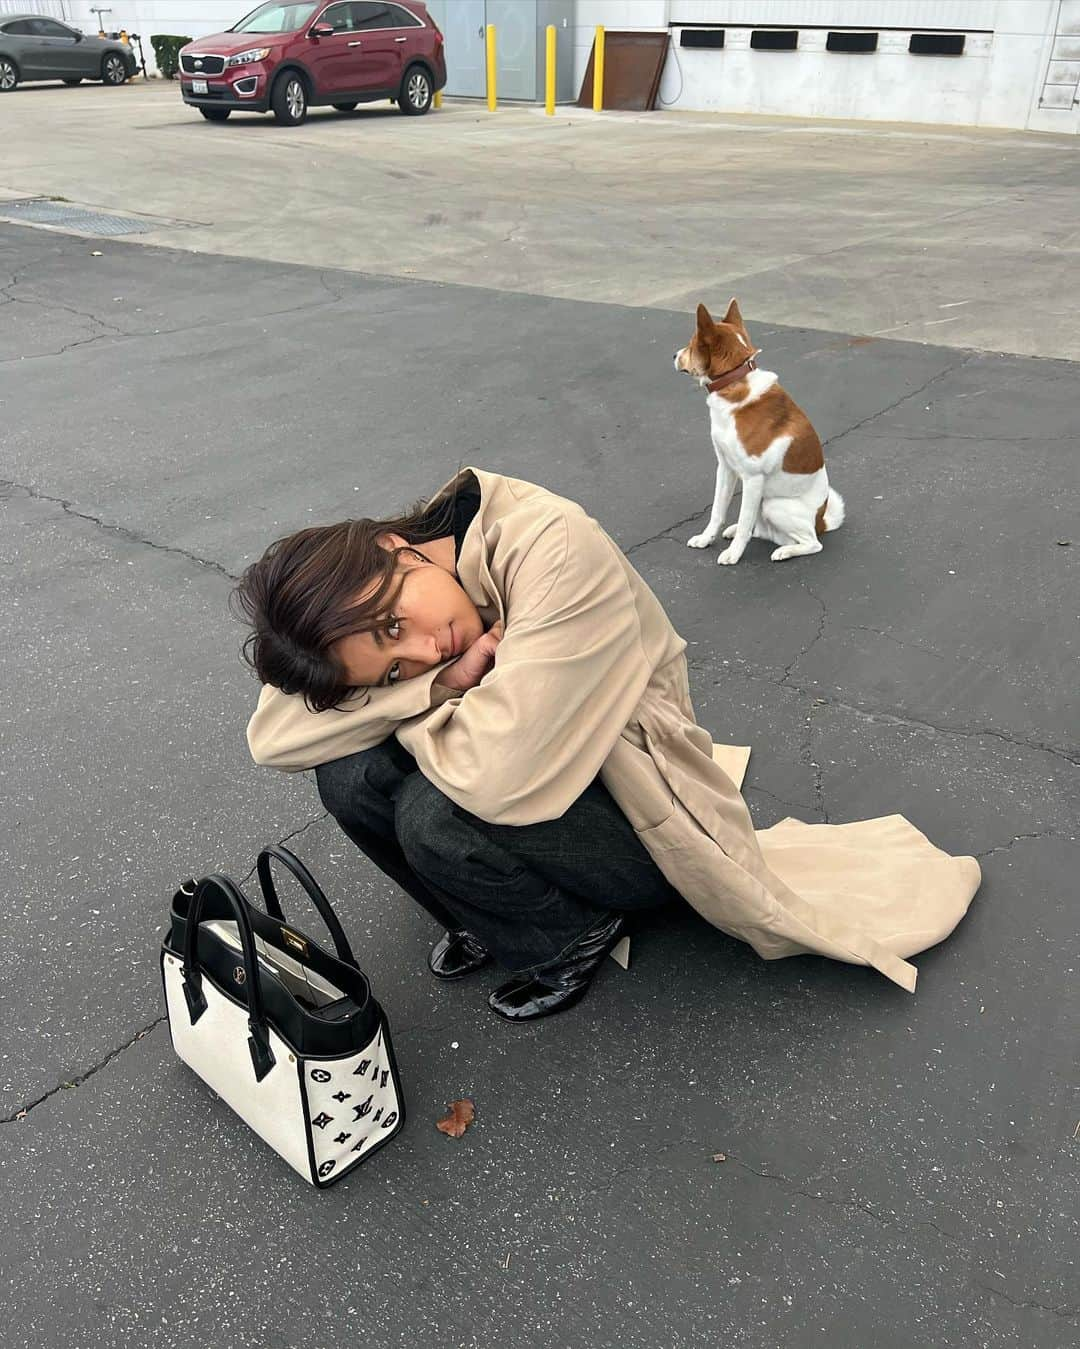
{"type": "Point", "coordinates": [284, 732]}
{"type": "Point", "coordinates": [568, 676]}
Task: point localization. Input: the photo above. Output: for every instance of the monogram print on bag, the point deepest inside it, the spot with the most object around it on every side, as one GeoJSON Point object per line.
{"type": "Point", "coordinates": [365, 1064]}
{"type": "Point", "coordinates": [389, 1119]}
{"type": "Point", "coordinates": [364, 1108]}
{"type": "Point", "coordinates": [320, 1075]}
{"type": "Point", "coordinates": [342, 1095]}
{"type": "Point", "coordinates": [327, 1167]}
{"type": "Point", "coordinates": [385, 1078]}
{"type": "Point", "coordinates": [321, 1121]}
{"type": "Point", "coordinates": [342, 1138]}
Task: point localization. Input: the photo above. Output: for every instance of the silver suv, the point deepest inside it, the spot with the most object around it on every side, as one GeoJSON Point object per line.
{"type": "Point", "coordinates": [33, 47]}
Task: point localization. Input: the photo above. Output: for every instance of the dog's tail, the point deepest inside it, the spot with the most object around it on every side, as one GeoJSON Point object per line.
{"type": "Point", "coordinates": [834, 510]}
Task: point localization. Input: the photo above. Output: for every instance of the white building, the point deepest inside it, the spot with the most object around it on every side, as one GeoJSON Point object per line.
{"type": "Point", "coordinates": [1003, 63]}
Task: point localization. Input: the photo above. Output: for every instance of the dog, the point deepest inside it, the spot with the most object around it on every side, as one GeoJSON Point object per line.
{"type": "Point", "coordinates": [762, 439]}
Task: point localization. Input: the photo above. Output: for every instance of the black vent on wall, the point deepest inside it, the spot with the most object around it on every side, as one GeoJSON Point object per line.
{"type": "Point", "coordinates": [774, 40]}
{"type": "Point", "coordinates": [701, 37]}
{"type": "Point", "coordinates": [937, 44]}
{"type": "Point", "coordinates": [851, 42]}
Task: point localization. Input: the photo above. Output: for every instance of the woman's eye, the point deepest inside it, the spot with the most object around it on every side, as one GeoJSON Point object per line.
{"type": "Point", "coordinates": [394, 673]}
{"type": "Point", "coordinates": [393, 629]}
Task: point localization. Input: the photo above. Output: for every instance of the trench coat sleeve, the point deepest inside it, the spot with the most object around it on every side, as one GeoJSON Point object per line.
{"type": "Point", "coordinates": [568, 676]}
{"type": "Point", "coordinates": [284, 733]}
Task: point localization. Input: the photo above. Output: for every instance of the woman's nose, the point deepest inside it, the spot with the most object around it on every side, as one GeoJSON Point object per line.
{"type": "Point", "coordinates": [423, 649]}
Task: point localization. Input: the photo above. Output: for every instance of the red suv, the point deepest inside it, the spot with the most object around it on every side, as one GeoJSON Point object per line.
{"type": "Point", "coordinates": [286, 58]}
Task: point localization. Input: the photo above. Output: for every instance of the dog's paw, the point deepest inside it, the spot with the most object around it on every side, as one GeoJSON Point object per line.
{"type": "Point", "coordinates": [729, 533]}
{"type": "Point", "coordinates": [701, 541]}
{"type": "Point", "coordinates": [729, 557]}
{"type": "Point", "coordinates": [782, 554]}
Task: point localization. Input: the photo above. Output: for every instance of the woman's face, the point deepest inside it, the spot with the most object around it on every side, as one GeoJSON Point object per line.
{"type": "Point", "coordinates": [433, 621]}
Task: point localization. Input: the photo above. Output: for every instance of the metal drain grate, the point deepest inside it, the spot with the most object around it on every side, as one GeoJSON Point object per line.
{"type": "Point", "coordinates": [39, 211]}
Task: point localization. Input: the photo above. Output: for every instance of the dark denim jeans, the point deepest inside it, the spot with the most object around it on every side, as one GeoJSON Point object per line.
{"type": "Point", "coordinates": [527, 892]}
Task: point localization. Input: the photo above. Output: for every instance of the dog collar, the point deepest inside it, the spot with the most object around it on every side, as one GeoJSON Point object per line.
{"type": "Point", "coordinates": [732, 376]}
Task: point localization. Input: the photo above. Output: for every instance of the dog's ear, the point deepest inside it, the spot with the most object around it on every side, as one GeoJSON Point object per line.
{"type": "Point", "coordinates": [704, 320]}
{"type": "Point", "coordinates": [733, 316]}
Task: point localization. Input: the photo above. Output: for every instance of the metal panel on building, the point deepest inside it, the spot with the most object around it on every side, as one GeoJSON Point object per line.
{"type": "Point", "coordinates": [520, 46]}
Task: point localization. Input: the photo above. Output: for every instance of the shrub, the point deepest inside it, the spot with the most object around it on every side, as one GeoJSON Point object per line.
{"type": "Point", "coordinates": [167, 52]}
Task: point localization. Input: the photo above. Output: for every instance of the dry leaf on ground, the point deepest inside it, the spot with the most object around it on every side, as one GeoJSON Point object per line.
{"type": "Point", "coordinates": [719, 1156]}
{"type": "Point", "coordinates": [462, 1114]}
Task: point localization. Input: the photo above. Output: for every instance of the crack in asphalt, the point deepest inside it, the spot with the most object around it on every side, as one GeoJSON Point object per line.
{"type": "Point", "coordinates": [68, 1083]}
{"type": "Point", "coordinates": [678, 524]}
{"type": "Point", "coordinates": [1019, 838]}
{"type": "Point", "coordinates": [914, 393]}
{"type": "Point", "coordinates": [288, 838]}
{"type": "Point", "coordinates": [641, 1171]}
{"type": "Point", "coordinates": [1067, 1313]}
{"type": "Point", "coordinates": [913, 646]}
{"type": "Point", "coordinates": [823, 618]}
{"type": "Point", "coordinates": [780, 801]}
{"type": "Point", "coordinates": [888, 715]}
{"type": "Point", "coordinates": [121, 335]}
{"type": "Point", "coordinates": [7, 484]}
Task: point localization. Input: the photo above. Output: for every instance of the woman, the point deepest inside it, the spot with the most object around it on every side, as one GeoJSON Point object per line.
{"type": "Point", "coordinates": [498, 713]}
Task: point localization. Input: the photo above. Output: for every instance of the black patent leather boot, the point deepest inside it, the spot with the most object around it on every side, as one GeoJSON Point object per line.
{"type": "Point", "coordinates": [529, 997]}
{"type": "Point", "coordinates": [456, 954]}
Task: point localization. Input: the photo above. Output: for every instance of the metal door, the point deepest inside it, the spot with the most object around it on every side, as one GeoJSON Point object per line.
{"type": "Point", "coordinates": [462, 24]}
{"type": "Point", "coordinates": [515, 27]}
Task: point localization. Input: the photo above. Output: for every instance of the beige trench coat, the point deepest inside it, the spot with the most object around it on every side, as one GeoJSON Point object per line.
{"type": "Point", "coordinates": [591, 678]}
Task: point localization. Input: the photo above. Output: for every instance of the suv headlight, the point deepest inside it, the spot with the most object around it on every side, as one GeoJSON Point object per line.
{"type": "Point", "coordinates": [246, 58]}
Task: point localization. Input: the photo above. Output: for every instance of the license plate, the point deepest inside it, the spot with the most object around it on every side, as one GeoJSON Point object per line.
{"type": "Point", "coordinates": [199, 87]}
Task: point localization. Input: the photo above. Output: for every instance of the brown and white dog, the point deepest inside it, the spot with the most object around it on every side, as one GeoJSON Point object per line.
{"type": "Point", "coordinates": [763, 439]}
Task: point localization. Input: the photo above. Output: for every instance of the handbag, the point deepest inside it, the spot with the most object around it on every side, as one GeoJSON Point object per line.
{"type": "Point", "coordinates": [287, 1034]}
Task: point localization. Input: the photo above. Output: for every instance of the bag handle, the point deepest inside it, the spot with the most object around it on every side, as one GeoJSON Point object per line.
{"type": "Point", "coordinates": [314, 893]}
{"type": "Point", "coordinates": [262, 1056]}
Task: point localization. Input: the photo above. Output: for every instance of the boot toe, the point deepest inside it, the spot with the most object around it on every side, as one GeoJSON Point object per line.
{"type": "Point", "coordinates": [456, 954]}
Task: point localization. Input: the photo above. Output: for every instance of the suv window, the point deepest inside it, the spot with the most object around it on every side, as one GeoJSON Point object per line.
{"type": "Point", "coordinates": [340, 17]}
{"type": "Point", "coordinates": [371, 14]}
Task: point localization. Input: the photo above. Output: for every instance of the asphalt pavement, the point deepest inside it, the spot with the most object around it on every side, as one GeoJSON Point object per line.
{"type": "Point", "coordinates": [896, 1171]}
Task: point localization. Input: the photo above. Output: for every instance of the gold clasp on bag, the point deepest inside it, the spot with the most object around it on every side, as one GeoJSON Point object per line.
{"type": "Point", "coordinates": [294, 941]}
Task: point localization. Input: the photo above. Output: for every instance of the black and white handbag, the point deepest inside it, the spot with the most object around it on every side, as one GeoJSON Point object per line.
{"type": "Point", "coordinates": [288, 1035]}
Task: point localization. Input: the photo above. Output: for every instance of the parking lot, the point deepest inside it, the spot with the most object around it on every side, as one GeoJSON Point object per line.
{"type": "Point", "coordinates": [327, 321]}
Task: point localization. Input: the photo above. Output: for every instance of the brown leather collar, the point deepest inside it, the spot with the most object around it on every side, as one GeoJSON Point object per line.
{"type": "Point", "coordinates": [732, 376]}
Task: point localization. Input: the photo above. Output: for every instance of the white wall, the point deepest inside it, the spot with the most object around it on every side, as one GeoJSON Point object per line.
{"type": "Point", "coordinates": [997, 82]}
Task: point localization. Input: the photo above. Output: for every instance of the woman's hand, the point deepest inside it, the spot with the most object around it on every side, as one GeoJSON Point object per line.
{"type": "Point", "coordinates": [473, 663]}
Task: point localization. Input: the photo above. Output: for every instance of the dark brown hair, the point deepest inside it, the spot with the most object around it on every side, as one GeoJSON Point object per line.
{"type": "Point", "coordinates": [300, 598]}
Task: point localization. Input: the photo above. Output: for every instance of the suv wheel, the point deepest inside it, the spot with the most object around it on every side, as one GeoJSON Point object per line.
{"type": "Point", "coordinates": [9, 75]}
{"type": "Point", "coordinates": [289, 99]}
{"type": "Point", "coordinates": [114, 69]}
{"type": "Point", "coordinates": [416, 92]}
{"type": "Point", "coordinates": [216, 114]}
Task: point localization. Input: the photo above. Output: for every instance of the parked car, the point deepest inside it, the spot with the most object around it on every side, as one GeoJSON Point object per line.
{"type": "Point", "coordinates": [287, 58]}
{"type": "Point", "coordinates": [33, 47]}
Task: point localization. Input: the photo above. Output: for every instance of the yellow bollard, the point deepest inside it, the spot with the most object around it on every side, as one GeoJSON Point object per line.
{"type": "Point", "coordinates": [491, 95]}
{"type": "Point", "coordinates": [549, 91]}
{"type": "Point", "coordinates": [598, 70]}
{"type": "Point", "coordinates": [437, 101]}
